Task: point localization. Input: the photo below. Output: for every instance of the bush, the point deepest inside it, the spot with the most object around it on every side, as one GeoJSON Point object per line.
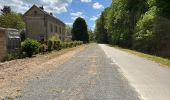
{"type": "Point", "coordinates": [50, 45]}
{"type": "Point", "coordinates": [30, 46]}
{"type": "Point", "coordinates": [57, 45]}
{"type": "Point", "coordinates": [71, 44]}
{"type": "Point", "coordinates": [43, 48]}
{"type": "Point", "coordinates": [11, 56]}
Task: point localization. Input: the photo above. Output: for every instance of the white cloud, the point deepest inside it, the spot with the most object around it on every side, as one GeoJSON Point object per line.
{"type": "Point", "coordinates": [86, 1]}
{"type": "Point", "coordinates": [94, 18]}
{"type": "Point", "coordinates": [76, 15]}
{"type": "Point", "coordinates": [97, 5]}
{"type": "Point", "coordinates": [55, 6]}
{"type": "Point", "coordinates": [69, 24]}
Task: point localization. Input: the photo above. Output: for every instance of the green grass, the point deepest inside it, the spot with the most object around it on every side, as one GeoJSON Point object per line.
{"type": "Point", "coordinates": [157, 59]}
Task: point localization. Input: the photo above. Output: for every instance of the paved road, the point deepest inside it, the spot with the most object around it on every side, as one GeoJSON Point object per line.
{"type": "Point", "coordinates": [89, 75]}
{"type": "Point", "coordinates": [149, 79]}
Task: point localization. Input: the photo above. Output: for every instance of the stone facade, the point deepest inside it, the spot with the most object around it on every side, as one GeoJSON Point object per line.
{"type": "Point", "coordinates": [40, 25]}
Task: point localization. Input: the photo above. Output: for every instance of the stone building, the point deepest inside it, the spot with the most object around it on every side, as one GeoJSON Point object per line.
{"type": "Point", "coordinates": [10, 42]}
{"type": "Point", "coordinates": [40, 25]}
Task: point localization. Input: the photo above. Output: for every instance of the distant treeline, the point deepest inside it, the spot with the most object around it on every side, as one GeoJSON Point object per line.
{"type": "Point", "coordinates": [143, 25]}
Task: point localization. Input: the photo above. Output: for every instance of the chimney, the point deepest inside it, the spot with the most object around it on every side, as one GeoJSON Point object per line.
{"type": "Point", "coordinates": [42, 8]}
{"type": "Point", "coordinates": [51, 13]}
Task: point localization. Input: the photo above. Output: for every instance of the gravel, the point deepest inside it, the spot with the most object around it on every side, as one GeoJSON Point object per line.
{"type": "Point", "coordinates": [89, 75]}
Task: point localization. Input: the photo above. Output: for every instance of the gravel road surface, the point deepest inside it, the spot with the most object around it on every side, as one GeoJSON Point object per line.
{"type": "Point", "coordinates": [89, 75]}
{"type": "Point", "coordinates": [150, 79]}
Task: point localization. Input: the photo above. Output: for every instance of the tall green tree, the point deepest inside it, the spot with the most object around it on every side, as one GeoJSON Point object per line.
{"type": "Point", "coordinates": [80, 30]}
{"type": "Point", "coordinates": [100, 31]}
{"type": "Point", "coordinates": [152, 30]}
{"type": "Point", "coordinates": [6, 10]}
{"type": "Point", "coordinates": [92, 37]}
{"type": "Point", "coordinates": [10, 19]}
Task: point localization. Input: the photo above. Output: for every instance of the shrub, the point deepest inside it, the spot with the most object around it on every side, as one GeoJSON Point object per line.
{"type": "Point", "coordinates": [57, 45]}
{"type": "Point", "coordinates": [50, 45]}
{"type": "Point", "coordinates": [30, 46]}
{"type": "Point", "coordinates": [43, 48]}
{"type": "Point", "coordinates": [11, 56]}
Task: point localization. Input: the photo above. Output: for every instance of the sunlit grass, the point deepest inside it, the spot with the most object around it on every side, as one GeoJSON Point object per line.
{"type": "Point", "coordinates": [157, 59]}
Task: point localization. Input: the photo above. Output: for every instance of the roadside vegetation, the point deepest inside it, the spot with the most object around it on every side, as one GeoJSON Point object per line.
{"type": "Point", "coordinates": [31, 47]}
{"type": "Point", "coordinates": [80, 30]}
{"type": "Point", "coordinates": [142, 25]}
{"type": "Point", "coordinates": [162, 61]}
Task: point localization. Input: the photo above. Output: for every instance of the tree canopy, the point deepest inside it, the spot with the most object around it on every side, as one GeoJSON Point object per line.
{"type": "Point", "coordinates": [10, 19]}
{"type": "Point", "coordinates": [136, 24]}
{"type": "Point", "coordinates": [6, 10]}
{"type": "Point", "coordinates": [80, 30]}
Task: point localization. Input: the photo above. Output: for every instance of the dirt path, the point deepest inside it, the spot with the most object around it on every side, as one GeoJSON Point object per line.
{"type": "Point", "coordinates": [13, 74]}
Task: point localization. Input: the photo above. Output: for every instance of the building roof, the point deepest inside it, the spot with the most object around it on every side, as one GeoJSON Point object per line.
{"type": "Point", "coordinates": [48, 14]}
{"type": "Point", "coordinates": [9, 29]}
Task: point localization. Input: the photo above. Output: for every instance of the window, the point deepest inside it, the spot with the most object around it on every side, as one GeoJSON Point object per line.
{"type": "Point", "coordinates": [60, 30]}
{"type": "Point", "coordinates": [51, 27]}
{"type": "Point", "coordinates": [56, 29]}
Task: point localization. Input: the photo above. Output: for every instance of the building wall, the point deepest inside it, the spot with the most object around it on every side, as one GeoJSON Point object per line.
{"type": "Point", "coordinates": [55, 28]}
{"type": "Point", "coordinates": [3, 49]}
{"type": "Point", "coordinates": [35, 24]}
{"type": "Point", "coordinates": [41, 25]}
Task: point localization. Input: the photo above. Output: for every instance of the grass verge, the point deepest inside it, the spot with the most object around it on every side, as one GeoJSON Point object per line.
{"type": "Point", "coordinates": [157, 59]}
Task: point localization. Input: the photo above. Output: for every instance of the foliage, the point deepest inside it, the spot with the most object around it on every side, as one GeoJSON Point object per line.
{"type": "Point", "coordinates": [30, 47]}
{"type": "Point", "coordinates": [68, 30]}
{"type": "Point", "coordinates": [12, 56]}
{"type": "Point", "coordinates": [92, 37]}
{"type": "Point", "coordinates": [50, 45]}
{"type": "Point", "coordinates": [42, 48]}
{"type": "Point", "coordinates": [23, 35]}
{"type": "Point", "coordinates": [100, 31]}
{"type": "Point", "coordinates": [6, 10]}
{"type": "Point", "coordinates": [139, 24]}
{"type": "Point", "coordinates": [57, 45]}
{"type": "Point", "coordinates": [12, 20]}
{"type": "Point", "coordinates": [54, 43]}
{"type": "Point", "coordinates": [143, 38]}
{"type": "Point", "coordinates": [160, 60]}
{"type": "Point", "coordinates": [80, 31]}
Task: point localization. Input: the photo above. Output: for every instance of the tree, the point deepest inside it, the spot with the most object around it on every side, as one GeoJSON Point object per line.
{"type": "Point", "coordinates": [100, 31]}
{"type": "Point", "coordinates": [92, 37]}
{"type": "Point", "coordinates": [12, 20]}
{"type": "Point", "coordinates": [68, 30]}
{"type": "Point", "coordinates": [80, 30]}
{"type": "Point", "coordinates": [6, 10]}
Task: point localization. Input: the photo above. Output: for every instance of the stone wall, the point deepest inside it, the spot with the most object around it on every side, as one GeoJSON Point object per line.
{"type": "Point", "coordinates": [3, 49]}
{"type": "Point", "coordinates": [35, 24]}
{"type": "Point", "coordinates": [58, 28]}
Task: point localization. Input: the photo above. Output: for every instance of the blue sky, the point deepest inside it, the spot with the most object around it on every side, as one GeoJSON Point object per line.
{"type": "Point", "coordinates": [89, 10]}
{"type": "Point", "coordinates": [66, 10]}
